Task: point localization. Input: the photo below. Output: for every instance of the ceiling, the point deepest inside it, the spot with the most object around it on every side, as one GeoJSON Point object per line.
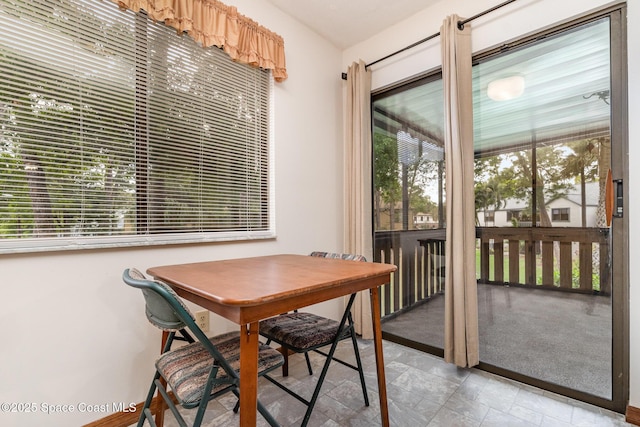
{"type": "Point", "coordinates": [565, 99]}
{"type": "Point", "coordinates": [346, 23]}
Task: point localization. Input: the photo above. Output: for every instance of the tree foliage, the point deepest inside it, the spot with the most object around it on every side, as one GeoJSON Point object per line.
{"type": "Point", "coordinates": [56, 156]}
{"type": "Point", "coordinates": [556, 169]}
{"type": "Point", "coordinates": [388, 182]}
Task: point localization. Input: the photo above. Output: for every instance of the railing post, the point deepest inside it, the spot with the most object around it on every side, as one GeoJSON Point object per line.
{"type": "Point", "coordinates": [586, 266]}
{"type": "Point", "coordinates": [605, 276]}
{"type": "Point", "coordinates": [498, 259]}
{"type": "Point", "coordinates": [530, 262]}
{"type": "Point", "coordinates": [547, 263]}
{"type": "Point", "coordinates": [415, 275]}
{"type": "Point", "coordinates": [401, 280]}
{"type": "Point", "coordinates": [566, 280]}
{"type": "Point", "coordinates": [383, 291]}
{"type": "Point", "coordinates": [514, 261]}
{"type": "Point", "coordinates": [484, 259]}
{"type": "Point", "coordinates": [430, 270]}
{"type": "Point", "coordinates": [439, 259]}
{"type": "Point", "coordinates": [422, 273]}
{"type": "Point", "coordinates": [396, 275]}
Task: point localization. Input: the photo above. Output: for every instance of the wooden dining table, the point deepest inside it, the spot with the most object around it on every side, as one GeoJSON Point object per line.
{"type": "Point", "coordinates": [247, 290]}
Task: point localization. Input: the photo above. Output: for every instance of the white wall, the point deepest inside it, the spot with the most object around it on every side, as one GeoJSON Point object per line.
{"type": "Point", "coordinates": [73, 333]}
{"type": "Point", "coordinates": [510, 22]}
{"type": "Point", "coordinates": [505, 24]}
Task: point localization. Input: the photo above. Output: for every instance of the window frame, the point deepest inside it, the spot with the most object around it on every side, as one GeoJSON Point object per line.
{"type": "Point", "coordinates": [489, 216]}
{"type": "Point", "coordinates": [142, 235]}
{"type": "Point", "coordinates": [558, 214]}
{"type": "Point", "coordinates": [514, 214]}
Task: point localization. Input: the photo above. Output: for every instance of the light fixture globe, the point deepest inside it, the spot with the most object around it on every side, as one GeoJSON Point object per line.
{"type": "Point", "coordinates": [506, 88]}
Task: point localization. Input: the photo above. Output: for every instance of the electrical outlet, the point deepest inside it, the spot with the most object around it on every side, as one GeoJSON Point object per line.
{"type": "Point", "coordinates": [202, 320]}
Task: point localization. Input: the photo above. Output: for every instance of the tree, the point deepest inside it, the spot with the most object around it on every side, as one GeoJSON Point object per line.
{"type": "Point", "coordinates": [388, 180]}
{"type": "Point", "coordinates": [512, 176]}
{"type": "Point", "coordinates": [549, 183]}
{"type": "Point", "coordinates": [582, 163]}
{"type": "Point", "coordinates": [59, 174]}
{"type": "Point", "coordinates": [388, 190]}
{"type": "Point", "coordinates": [493, 184]}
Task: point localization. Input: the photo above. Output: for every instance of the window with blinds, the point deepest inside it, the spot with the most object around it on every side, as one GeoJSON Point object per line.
{"type": "Point", "coordinates": [115, 130]}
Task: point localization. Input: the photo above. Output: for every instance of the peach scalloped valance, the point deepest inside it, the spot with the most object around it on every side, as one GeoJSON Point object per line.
{"type": "Point", "coordinates": [212, 23]}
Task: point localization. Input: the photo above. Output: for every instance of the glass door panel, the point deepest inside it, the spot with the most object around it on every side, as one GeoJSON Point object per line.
{"type": "Point", "coordinates": [409, 198]}
{"type": "Point", "coordinates": [543, 152]}
{"type": "Point", "coordinates": [544, 149]}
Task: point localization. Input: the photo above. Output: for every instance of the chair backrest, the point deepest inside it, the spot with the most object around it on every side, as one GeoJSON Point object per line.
{"type": "Point", "coordinates": [349, 257]}
{"type": "Point", "coordinates": [167, 308]}
{"type": "Point", "coordinates": [158, 310]}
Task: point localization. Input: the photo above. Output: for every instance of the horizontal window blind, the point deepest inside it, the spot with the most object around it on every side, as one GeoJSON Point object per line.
{"type": "Point", "coordinates": [115, 130]}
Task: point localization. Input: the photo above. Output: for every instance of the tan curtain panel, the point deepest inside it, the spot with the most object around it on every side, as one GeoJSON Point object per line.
{"type": "Point", "coordinates": [357, 182]}
{"type": "Point", "coordinates": [461, 298]}
{"type": "Point", "coordinates": [212, 23]}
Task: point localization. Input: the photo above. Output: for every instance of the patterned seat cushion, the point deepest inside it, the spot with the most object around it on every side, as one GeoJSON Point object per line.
{"type": "Point", "coordinates": [187, 368]}
{"type": "Point", "coordinates": [300, 331]}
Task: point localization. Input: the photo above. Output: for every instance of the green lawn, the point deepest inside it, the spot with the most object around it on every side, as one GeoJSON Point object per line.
{"type": "Point", "coordinates": [575, 271]}
{"type": "Point", "coordinates": [506, 266]}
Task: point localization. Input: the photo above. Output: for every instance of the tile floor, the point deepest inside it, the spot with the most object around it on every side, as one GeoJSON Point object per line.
{"type": "Point", "coordinates": [423, 390]}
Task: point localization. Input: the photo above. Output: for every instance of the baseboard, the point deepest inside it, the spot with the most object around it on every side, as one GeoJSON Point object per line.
{"type": "Point", "coordinates": [119, 419]}
{"type": "Point", "coordinates": [633, 415]}
{"type": "Point", "coordinates": [125, 419]}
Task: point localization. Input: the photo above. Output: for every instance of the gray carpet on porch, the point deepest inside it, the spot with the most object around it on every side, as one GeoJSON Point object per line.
{"type": "Point", "coordinates": [557, 337]}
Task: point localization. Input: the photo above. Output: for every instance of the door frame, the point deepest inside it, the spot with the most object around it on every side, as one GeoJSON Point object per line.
{"type": "Point", "coordinates": [619, 234]}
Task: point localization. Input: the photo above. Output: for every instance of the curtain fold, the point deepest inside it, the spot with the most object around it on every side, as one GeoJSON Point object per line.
{"type": "Point", "coordinates": [212, 23]}
{"type": "Point", "coordinates": [461, 299]}
{"type": "Point", "coordinates": [357, 182]}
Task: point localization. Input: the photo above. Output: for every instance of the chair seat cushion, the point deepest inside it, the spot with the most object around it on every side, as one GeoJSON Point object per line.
{"type": "Point", "coordinates": [187, 368]}
{"type": "Point", "coordinates": [300, 331]}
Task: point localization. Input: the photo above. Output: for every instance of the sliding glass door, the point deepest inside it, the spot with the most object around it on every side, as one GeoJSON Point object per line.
{"type": "Point", "coordinates": [551, 250]}
{"type": "Point", "coordinates": [543, 156]}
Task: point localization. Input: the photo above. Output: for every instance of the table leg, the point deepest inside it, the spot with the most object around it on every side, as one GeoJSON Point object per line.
{"type": "Point", "coordinates": [248, 374]}
{"type": "Point", "coordinates": [377, 340]}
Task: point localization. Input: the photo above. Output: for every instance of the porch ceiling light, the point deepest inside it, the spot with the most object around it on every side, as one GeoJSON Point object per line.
{"type": "Point", "coordinates": [506, 88]}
